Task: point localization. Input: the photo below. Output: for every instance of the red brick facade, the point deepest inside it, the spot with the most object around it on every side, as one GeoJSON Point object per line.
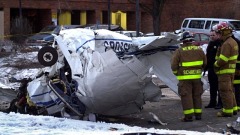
{"type": "Point", "coordinates": [173, 13]}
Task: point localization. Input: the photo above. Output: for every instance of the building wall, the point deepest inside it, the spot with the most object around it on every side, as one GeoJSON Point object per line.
{"type": "Point", "coordinates": [131, 21]}
{"type": "Point", "coordinates": [173, 13]}
{"type": "Point", "coordinates": [1, 24]}
{"type": "Point", "coordinates": [146, 23]}
{"type": "Point", "coordinates": [93, 10]}
{"type": "Point", "coordinates": [7, 23]}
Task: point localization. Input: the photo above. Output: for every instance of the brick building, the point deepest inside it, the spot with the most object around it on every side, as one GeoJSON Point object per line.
{"type": "Point", "coordinates": [42, 12]}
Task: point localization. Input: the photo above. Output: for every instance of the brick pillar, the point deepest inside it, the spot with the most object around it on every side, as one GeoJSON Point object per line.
{"type": "Point", "coordinates": [147, 23]}
{"type": "Point", "coordinates": [7, 22]}
{"type": "Point", "coordinates": [98, 14]}
{"type": "Point", "coordinates": [140, 21]}
{"type": "Point", "coordinates": [131, 23]}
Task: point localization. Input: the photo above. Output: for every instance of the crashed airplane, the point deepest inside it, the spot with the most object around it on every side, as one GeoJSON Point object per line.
{"type": "Point", "coordinates": [100, 72]}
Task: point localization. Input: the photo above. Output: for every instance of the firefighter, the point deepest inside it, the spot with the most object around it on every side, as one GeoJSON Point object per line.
{"type": "Point", "coordinates": [187, 64]}
{"type": "Point", "coordinates": [225, 65]}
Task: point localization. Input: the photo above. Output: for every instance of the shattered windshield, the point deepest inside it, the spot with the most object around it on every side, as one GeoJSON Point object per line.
{"type": "Point", "coordinates": [235, 24]}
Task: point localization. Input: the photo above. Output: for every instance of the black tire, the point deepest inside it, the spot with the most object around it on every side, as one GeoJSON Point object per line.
{"type": "Point", "coordinates": [47, 56]}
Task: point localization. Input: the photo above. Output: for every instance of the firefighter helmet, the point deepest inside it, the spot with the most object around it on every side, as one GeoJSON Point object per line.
{"type": "Point", "coordinates": [186, 36]}
{"type": "Point", "coordinates": [222, 27]}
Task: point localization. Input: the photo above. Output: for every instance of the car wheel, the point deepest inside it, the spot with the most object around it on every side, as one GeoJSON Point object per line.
{"type": "Point", "coordinates": [47, 56]}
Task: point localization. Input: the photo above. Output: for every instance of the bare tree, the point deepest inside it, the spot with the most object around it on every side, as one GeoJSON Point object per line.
{"type": "Point", "coordinates": [155, 11]}
{"type": "Point", "coordinates": [20, 28]}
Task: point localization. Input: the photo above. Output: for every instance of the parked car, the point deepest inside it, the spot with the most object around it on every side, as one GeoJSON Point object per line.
{"type": "Point", "coordinates": [103, 26]}
{"type": "Point", "coordinates": [201, 38]}
{"type": "Point", "coordinates": [131, 33]}
{"type": "Point", "coordinates": [204, 25]}
{"type": "Point", "coordinates": [45, 35]}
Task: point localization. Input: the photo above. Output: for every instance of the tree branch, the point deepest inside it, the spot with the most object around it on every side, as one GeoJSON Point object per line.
{"type": "Point", "coordinates": [143, 6]}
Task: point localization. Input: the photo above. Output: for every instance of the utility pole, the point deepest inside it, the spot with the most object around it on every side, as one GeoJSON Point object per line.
{"type": "Point", "coordinates": [109, 15]}
{"type": "Point", "coordinates": [137, 17]}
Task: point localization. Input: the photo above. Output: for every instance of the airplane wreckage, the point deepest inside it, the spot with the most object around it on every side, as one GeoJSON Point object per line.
{"type": "Point", "coordinates": [98, 72]}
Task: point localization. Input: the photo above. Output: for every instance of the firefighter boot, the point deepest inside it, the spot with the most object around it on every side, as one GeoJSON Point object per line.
{"type": "Point", "coordinates": [222, 114]}
{"type": "Point", "coordinates": [187, 119]}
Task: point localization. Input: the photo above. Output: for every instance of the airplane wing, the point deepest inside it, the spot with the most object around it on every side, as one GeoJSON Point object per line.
{"type": "Point", "coordinates": [162, 69]}
{"type": "Point", "coordinates": [159, 50]}
{"type": "Point", "coordinates": [153, 42]}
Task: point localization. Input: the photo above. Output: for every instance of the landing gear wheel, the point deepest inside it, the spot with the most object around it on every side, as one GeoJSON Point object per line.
{"type": "Point", "coordinates": [47, 56]}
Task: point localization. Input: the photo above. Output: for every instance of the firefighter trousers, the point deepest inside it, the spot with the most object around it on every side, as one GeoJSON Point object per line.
{"type": "Point", "coordinates": [225, 85]}
{"type": "Point", "coordinates": [190, 92]}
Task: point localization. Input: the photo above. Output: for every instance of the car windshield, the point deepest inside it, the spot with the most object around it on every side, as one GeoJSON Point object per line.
{"type": "Point", "coordinates": [48, 29]}
{"type": "Point", "coordinates": [235, 25]}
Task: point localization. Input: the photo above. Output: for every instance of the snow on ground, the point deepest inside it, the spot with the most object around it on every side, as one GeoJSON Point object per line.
{"type": "Point", "coordinates": [17, 124]}
{"type": "Point", "coordinates": [8, 68]}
